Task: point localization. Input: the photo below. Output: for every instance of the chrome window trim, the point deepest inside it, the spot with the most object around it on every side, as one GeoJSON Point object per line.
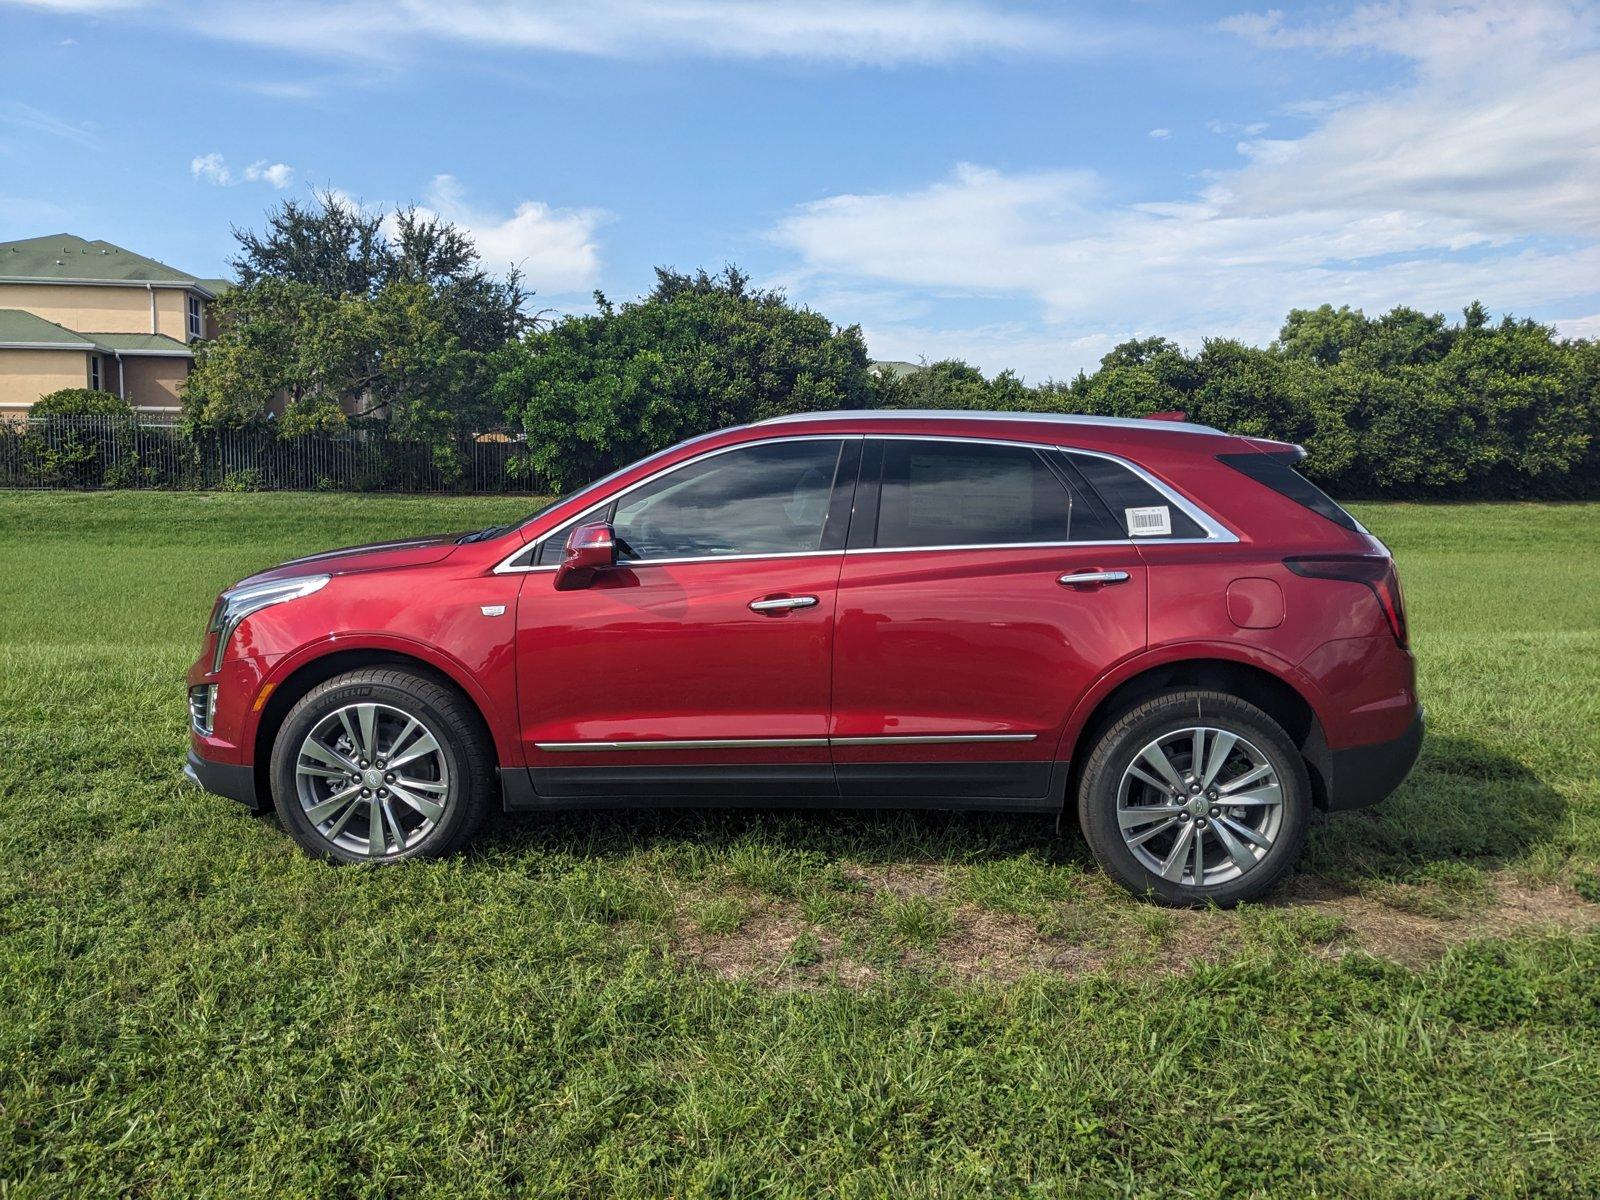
{"type": "Point", "coordinates": [1216, 532]}
{"type": "Point", "coordinates": [908, 739]}
{"type": "Point", "coordinates": [505, 567]}
{"type": "Point", "coordinates": [962, 414]}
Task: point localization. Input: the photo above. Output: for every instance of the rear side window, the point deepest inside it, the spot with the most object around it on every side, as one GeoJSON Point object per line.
{"type": "Point", "coordinates": [1140, 510]}
{"type": "Point", "coordinates": [1278, 473]}
{"type": "Point", "coordinates": [974, 494]}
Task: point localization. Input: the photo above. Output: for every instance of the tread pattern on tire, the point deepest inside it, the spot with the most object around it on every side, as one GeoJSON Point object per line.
{"type": "Point", "coordinates": [1106, 841]}
{"type": "Point", "coordinates": [464, 725]}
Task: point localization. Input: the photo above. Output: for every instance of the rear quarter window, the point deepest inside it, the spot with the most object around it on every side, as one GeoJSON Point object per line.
{"type": "Point", "coordinates": [1135, 505]}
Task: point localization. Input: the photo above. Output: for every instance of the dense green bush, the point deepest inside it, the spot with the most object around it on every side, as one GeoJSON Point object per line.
{"type": "Point", "coordinates": [80, 402]}
{"type": "Point", "coordinates": [1404, 405]}
{"type": "Point", "coordinates": [698, 353]}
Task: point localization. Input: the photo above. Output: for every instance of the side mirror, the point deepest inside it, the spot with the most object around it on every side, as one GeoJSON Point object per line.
{"type": "Point", "coordinates": [590, 548]}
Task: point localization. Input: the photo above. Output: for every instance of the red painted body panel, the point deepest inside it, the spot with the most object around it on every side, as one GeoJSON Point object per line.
{"type": "Point", "coordinates": [673, 652]}
{"type": "Point", "coordinates": [432, 613]}
{"type": "Point", "coordinates": [909, 642]}
{"type": "Point", "coordinates": [976, 641]}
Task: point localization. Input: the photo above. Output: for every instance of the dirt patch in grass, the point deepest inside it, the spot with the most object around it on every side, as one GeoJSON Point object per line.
{"type": "Point", "coordinates": [1379, 927]}
{"type": "Point", "coordinates": [900, 879]}
{"type": "Point", "coordinates": [776, 946]}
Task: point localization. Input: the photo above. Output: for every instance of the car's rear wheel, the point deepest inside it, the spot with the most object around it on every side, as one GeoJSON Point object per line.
{"type": "Point", "coordinates": [1195, 797]}
{"type": "Point", "coordinates": [381, 765]}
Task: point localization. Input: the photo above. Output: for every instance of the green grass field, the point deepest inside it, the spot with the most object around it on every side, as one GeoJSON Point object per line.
{"type": "Point", "coordinates": [781, 1004]}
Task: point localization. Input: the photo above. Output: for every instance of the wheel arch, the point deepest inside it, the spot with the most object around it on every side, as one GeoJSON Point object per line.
{"type": "Point", "coordinates": [308, 673]}
{"type": "Point", "coordinates": [1267, 689]}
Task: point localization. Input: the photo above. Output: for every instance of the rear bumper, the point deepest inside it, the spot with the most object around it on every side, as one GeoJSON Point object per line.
{"type": "Point", "coordinates": [1364, 775]}
{"type": "Point", "coordinates": [224, 779]}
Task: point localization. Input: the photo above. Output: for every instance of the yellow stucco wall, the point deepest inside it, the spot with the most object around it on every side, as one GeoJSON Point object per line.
{"type": "Point", "coordinates": [151, 382]}
{"type": "Point", "coordinates": [25, 375]}
{"type": "Point", "coordinates": [102, 309]}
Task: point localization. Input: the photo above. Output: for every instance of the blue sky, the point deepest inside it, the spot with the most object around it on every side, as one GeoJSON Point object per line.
{"type": "Point", "coordinates": [1020, 184]}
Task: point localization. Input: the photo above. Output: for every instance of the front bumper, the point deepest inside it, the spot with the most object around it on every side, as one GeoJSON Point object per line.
{"type": "Point", "coordinates": [225, 779]}
{"type": "Point", "coordinates": [1361, 776]}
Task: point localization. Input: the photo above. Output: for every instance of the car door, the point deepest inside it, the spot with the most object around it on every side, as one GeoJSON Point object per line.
{"type": "Point", "coordinates": [698, 666]}
{"type": "Point", "coordinates": [984, 589]}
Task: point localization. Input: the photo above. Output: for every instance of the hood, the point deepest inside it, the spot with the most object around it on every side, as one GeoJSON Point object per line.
{"type": "Point", "coordinates": [413, 552]}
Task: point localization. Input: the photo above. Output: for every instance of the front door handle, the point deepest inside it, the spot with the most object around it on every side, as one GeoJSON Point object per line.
{"type": "Point", "coordinates": [778, 604]}
{"type": "Point", "coordinates": [1077, 578]}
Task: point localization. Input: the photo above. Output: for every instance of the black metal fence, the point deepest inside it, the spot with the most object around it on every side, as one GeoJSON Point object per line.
{"type": "Point", "coordinates": [120, 452]}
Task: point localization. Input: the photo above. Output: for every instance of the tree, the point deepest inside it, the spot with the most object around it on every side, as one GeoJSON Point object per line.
{"type": "Point", "coordinates": [344, 311]}
{"type": "Point", "coordinates": [953, 384]}
{"type": "Point", "coordinates": [699, 352]}
{"type": "Point", "coordinates": [80, 402]}
{"type": "Point", "coordinates": [1322, 335]}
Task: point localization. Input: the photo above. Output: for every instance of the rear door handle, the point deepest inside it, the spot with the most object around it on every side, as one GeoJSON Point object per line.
{"type": "Point", "coordinates": [1075, 578]}
{"type": "Point", "coordinates": [780, 604]}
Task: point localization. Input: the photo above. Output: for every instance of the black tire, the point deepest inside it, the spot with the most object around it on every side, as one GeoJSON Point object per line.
{"type": "Point", "coordinates": [1163, 715]}
{"type": "Point", "coordinates": [464, 748]}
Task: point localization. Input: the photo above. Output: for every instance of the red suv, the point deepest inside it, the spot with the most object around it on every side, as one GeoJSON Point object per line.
{"type": "Point", "coordinates": [1160, 623]}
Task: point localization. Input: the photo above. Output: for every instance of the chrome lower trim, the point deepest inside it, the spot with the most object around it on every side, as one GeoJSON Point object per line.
{"type": "Point", "coordinates": [783, 743]}
{"type": "Point", "coordinates": [932, 739]}
{"type": "Point", "coordinates": [682, 744]}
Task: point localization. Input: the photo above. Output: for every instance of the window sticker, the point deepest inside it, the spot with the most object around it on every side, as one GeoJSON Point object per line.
{"type": "Point", "coordinates": [1155, 521]}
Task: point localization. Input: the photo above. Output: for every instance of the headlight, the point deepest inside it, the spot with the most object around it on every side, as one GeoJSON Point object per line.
{"type": "Point", "coordinates": [233, 607]}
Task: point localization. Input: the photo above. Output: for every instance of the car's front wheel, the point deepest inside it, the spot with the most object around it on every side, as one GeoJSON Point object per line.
{"type": "Point", "coordinates": [1195, 797]}
{"type": "Point", "coordinates": [379, 765]}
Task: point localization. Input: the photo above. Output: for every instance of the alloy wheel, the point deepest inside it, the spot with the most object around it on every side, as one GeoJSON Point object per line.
{"type": "Point", "coordinates": [1200, 806]}
{"type": "Point", "coordinates": [372, 779]}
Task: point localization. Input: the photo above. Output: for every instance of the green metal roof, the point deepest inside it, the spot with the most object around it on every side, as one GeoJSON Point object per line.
{"type": "Point", "coordinates": [139, 343]}
{"type": "Point", "coordinates": [19, 328]}
{"type": "Point", "coordinates": [63, 258]}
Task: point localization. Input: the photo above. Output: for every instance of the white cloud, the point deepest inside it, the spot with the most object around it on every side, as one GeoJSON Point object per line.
{"type": "Point", "coordinates": [35, 120]}
{"type": "Point", "coordinates": [851, 31]}
{"type": "Point", "coordinates": [555, 247]}
{"type": "Point", "coordinates": [279, 175]}
{"type": "Point", "coordinates": [1579, 327]}
{"type": "Point", "coordinates": [1234, 128]}
{"type": "Point", "coordinates": [213, 168]}
{"type": "Point", "coordinates": [1160, 135]}
{"type": "Point", "coordinates": [1478, 178]}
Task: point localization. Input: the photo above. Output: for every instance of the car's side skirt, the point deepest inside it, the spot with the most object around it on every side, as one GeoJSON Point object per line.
{"type": "Point", "coordinates": [988, 786]}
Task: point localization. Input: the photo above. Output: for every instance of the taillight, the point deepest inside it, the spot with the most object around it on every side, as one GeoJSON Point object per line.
{"type": "Point", "coordinates": [1375, 570]}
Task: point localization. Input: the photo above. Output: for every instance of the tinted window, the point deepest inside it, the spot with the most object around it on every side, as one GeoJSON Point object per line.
{"type": "Point", "coordinates": [766, 499]}
{"type": "Point", "coordinates": [1278, 473]}
{"type": "Point", "coordinates": [1139, 509]}
{"type": "Point", "coordinates": [969, 494]}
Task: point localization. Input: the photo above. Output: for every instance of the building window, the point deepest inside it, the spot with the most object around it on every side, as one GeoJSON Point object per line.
{"type": "Point", "coordinates": [196, 324]}
{"type": "Point", "coordinates": [94, 371]}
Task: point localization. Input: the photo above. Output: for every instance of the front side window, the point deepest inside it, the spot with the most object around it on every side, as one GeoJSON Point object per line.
{"type": "Point", "coordinates": [975, 494]}
{"type": "Point", "coordinates": [763, 499]}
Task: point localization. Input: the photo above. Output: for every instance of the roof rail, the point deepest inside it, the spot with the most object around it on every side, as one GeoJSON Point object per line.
{"type": "Point", "coordinates": [1164, 425]}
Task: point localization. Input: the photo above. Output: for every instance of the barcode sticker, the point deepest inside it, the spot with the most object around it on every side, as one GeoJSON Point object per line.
{"type": "Point", "coordinates": [1155, 521]}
